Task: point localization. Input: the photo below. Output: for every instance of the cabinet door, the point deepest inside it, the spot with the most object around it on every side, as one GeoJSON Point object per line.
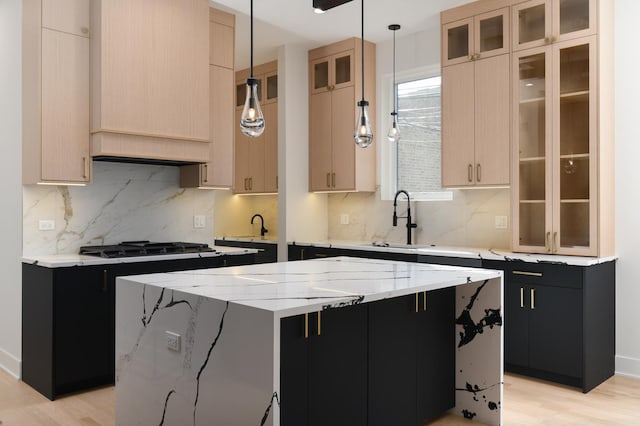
{"type": "Point", "coordinates": [458, 125]}
{"type": "Point", "coordinates": [393, 341]}
{"type": "Point", "coordinates": [343, 154]}
{"type": "Point", "coordinates": [532, 184]}
{"type": "Point", "coordinates": [457, 42]}
{"type": "Point", "coordinates": [574, 151]}
{"type": "Point", "coordinates": [271, 147]}
{"type": "Point", "coordinates": [320, 130]}
{"type": "Point", "coordinates": [65, 107]}
{"type": "Point", "coordinates": [257, 151]}
{"type": "Point", "coordinates": [320, 79]}
{"type": "Point", "coordinates": [294, 366]}
{"type": "Point", "coordinates": [491, 33]}
{"type": "Point", "coordinates": [531, 23]}
{"type": "Point", "coordinates": [516, 324]}
{"type": "Point", "coordinates": [219, 171]}
{"type": "Point", "coordinates": [271, 87]}
{"type": "Point", "coordinates": [342, 70]}
{"type": "Point", "coordinates": [338, 367]}
{"type": "Point", "coordinates": [492, 121]}
{"type": "Point", "coordinates": [574, 18]}
{"type": "Point", "coordinates": [555, 330]}
{"type": "Point", "coordinates": [83, 328]}
{"type": "Point", "coordinates": [241, 147]}
{"type": "Point", "coordinates": [221, 44]}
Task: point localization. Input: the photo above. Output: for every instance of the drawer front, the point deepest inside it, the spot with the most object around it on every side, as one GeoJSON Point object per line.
{"type": "Point", "coordinates": [544, 274]}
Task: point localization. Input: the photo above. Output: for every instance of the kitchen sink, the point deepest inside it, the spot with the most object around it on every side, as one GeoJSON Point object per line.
{"type": "Point", "coordinates": [427, 249]}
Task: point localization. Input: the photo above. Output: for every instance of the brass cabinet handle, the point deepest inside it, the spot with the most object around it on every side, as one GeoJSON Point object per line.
{"type": "Point", "coordinates": [306, 326]}
{"type": "Point", "coordinates": [333, 180]}
{"type": "Point", "coordinates": [319, 323]}
{"type": "Point", "coordinates": [478, 172]}
{"type": "Point", "coordinates": [84, 30]}
{"type": "Point", "coordinates": [417, 303]}
{"type": "Point", "coordinates": [424, 301]}
{"type": "Point", "coordinates": [533, 298]}
{"type": "Point", "coordinates": [277, 182]}
{"type": "Point", "coordinates": [547, 243]}
{"type": "Point", "coordinates": [301, 254]}
{"type": "Point", "coordinates": [85, 172]}
{"type": "Point", "coordinates": [245, 184]}
{"type": "Point", "coordinates": [471, 57]}
{"type": "Point", "coordinates": [328, 180]}
{"type": "Point", "coordinates": [206, 173]}
{"type": "Point", "coordinates": [470, 172]}
{"type": "Point", "coordinates": [547, 40]}
{"type": "Point", "coordinates": [105, 280]}
{"type": "Point", "coordinates": [521, 297]}
{"type": "Point", "coordinates": [476, 56]}
{"type": "Point", "coordinates": [530, 274]}
{"type": "Point", "coordinates": [250, 184]}
{"type": "Point", "coordinates": [555, 242]}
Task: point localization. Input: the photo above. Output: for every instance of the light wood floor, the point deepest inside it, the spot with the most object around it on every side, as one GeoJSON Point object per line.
{"type": "Point", "coordinates": [526, 402]}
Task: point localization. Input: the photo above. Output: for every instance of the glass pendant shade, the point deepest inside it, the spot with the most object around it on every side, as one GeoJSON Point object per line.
{"type": "Point", "coordinates": [394, 132]}
{"type": "Point", "coordinates": [252, 121]}
{"type": "Point", "coordinates": [364, 134]}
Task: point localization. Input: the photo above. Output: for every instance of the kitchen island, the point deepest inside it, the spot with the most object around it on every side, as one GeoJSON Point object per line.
{"type": "Point", "coordinates": [222, 346]}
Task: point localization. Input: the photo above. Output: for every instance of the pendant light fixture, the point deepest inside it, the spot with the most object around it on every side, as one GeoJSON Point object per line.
{"type": "Point", "coordinates": [394, 132]}
{"type": "Point", "coordinates": [364, 134]}
{"type": "Point", "coordinates": [252, 121]}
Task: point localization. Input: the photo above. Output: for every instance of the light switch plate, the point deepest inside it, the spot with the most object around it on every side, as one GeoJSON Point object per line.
{"type": "Point", "coordinates": [344, 219]}
{"type": "Point", "coordinates": [173, 341]}
{"type": "Point", "coordinates": [46, 225]}
{"type": "Point", "coordinates": [501, 222]}
{"type": "Point", "coordinates": [199, 221]}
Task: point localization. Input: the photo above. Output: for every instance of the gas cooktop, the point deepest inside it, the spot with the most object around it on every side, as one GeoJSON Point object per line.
{"type": "Point", "coordinates": [143, 248]}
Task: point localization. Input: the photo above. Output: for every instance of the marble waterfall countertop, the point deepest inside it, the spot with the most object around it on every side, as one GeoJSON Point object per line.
{"type": "Point", "coordinates": [297, 287]}
{"type": "Point", "coordinates": [204, 347]}
{"type": "Point", "coordinates": [66, 260]}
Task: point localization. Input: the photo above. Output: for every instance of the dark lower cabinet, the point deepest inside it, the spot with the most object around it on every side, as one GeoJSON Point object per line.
{"type": "Point", "coordinates": [559, 321]}
{"type": "Point", "coordinates": [411, 358]}
{"type": "Point", "coordinates": [267, 251]}
{"type": "Point", "coordinates": [68, 320]}
{"type": "Point", "coordinates": [379, 363]}
{"type": "Point", "coordinates": [324, 375]}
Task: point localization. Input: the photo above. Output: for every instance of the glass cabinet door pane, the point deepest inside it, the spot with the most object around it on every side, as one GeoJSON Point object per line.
{"type": "Point", "coordinates": [574, 15]}
{"type": "Point", "coordinates": [491, 33]}
{"type": "Point", "coordinates": [531, 24]}
{"type": "Point", "coordinates": [241, 93]}
{"type": "Point", "coordinates": [272, 87]}
{"type": "Point", "coordinates": [321, 75]}
{"type": "Point", "coordinates": [458, 42]}
{"type": "Point", "coordinates": [343, 69]}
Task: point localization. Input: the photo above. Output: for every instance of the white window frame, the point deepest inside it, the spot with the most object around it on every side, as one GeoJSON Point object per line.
{"type": "Point", "coordinates": [388, 156]}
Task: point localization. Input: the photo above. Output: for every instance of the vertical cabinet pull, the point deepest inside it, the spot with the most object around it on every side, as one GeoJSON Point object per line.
{"type": "Point", "coordinates": [250, 184]}
{"type": "Point", "coordinates": [417, 303]}
{"type": "Point", "coordinates": [306, 326]}
{"type": "Point", "coordinates": [470, 172]}
{"type": "Point", "coordinates": [547, 243]}
{"type": "Point", "coordinates": [85, 172]}
{"type": "Point", "coordinates": [478, 172]}
{"type": "Point", "coordinates": [319, 323]}
{"type": "Point", "coordinates": [424, 301]}
{"type": "Point", "coordinates": [521, 297]}
{"type": "Point", "coordinates": [328, 180]}
{"type": "Point", "coordinates": [206, 173]}
{"type": "Point", "coordinates": [533, 298]}
{"type": "Point", "coordinates": [333, 180]}
{"type": "Point", "coordinates": [555, 242]}
{"type": "Point", "coordinates": [105, 281]}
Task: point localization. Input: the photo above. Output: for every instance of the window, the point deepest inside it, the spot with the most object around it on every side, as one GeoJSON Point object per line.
{"type": "Point", "coordinates": [416, 158]}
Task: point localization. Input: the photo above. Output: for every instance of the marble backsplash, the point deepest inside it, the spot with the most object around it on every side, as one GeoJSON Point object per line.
{"type": "Point", "coordinates": [124, 202]}
{"type": "Point", "coordinates": [468, 220]}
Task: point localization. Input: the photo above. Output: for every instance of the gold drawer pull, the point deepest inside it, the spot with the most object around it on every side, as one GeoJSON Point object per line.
{"type": "Point", "coordinates": [306, 326]}
{"type": "Point", "coordinates": [470, 172]}
{"type": "Point", "coordinates": [319, 323]}
{"type": "Point", "coordinates": [527, 273]}
{"type": "Point", "coordinates": [522, 297]}
{"type": "Point", "coordinates": [206, 172]}
{"type": "Point", "coordinates": [478, 172]}
{"type": "Point", "coordinates": [424, 301]}
{"type": "Point", "coordinates": [533, 298]}
{"type": "Point", "coordinates": [417, 303]}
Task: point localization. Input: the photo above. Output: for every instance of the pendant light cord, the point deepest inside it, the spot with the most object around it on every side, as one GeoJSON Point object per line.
{"type": "Point", "coordinates": [362, 53]}
{"type": "Point", "coordinates": [395, 90]}
{"type": "Point", "coordinates": [251, 31]}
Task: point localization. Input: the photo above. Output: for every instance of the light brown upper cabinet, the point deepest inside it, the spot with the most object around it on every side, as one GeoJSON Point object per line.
{"type": "Point", "coordinates": [218, 171]}
{"type": "Point", "coordinates": [540, 22]}
{"type": "Point", "coordinates": [563, 192]}
{"type": "Point", "coordinates": [256, 159]}
{"type": "Point", "coordinates": [56, 61]}
{"type": "Point", "coordinates": [476, 116]}
{"type": "Point", "coordinates": [150, 80]}
{"type": "Point", "coordinates": [475, 37]}
{"type": "Point", "coordinates": [335, 86]}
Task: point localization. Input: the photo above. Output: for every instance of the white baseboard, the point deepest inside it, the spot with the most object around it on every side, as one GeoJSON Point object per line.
{"type": "Point", "coordinates": [10, 364]}
{"type": "Point", "coordinates": [628, 366]}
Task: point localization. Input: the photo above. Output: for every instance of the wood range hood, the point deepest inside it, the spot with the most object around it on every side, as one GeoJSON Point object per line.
{"type": "Point", "coordinates": [150, 81]}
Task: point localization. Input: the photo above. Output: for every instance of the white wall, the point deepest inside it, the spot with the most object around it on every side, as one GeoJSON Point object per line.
{"type": "Point", "coordinates": [10, 180]}
{"type": "Point", "coordinates": [627, 93]}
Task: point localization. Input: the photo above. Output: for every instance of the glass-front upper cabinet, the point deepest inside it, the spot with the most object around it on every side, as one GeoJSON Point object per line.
{"type": "Point", "coordinates": [271, 88]}
{"type": "Point", "coordinates": [555, 115]}
{"type": "Point", "coordinates": [539, 22]}
{"type": "Point", "coordinates": [332, 72]}
{"type": "Point", "coordinates": [474, 38]}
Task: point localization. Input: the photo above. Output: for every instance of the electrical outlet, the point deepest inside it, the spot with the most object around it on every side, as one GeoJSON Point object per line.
{"type": "Point", "coordinates": [344, 219]}
{"type": "Point", "coordinates": [173, 341]}
{"type": "Point", "coordinates": [501, 222]}
{"type": "Point", "coordinates": [46, 225]}
{"type": "Point", "coordinates": [199, 221]}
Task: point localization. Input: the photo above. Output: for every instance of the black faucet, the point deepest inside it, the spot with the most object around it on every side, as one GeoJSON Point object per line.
{"type": "Point", "coordinates": [408, 216]}
{"type": "Point", "coordinates": [263, 230]}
